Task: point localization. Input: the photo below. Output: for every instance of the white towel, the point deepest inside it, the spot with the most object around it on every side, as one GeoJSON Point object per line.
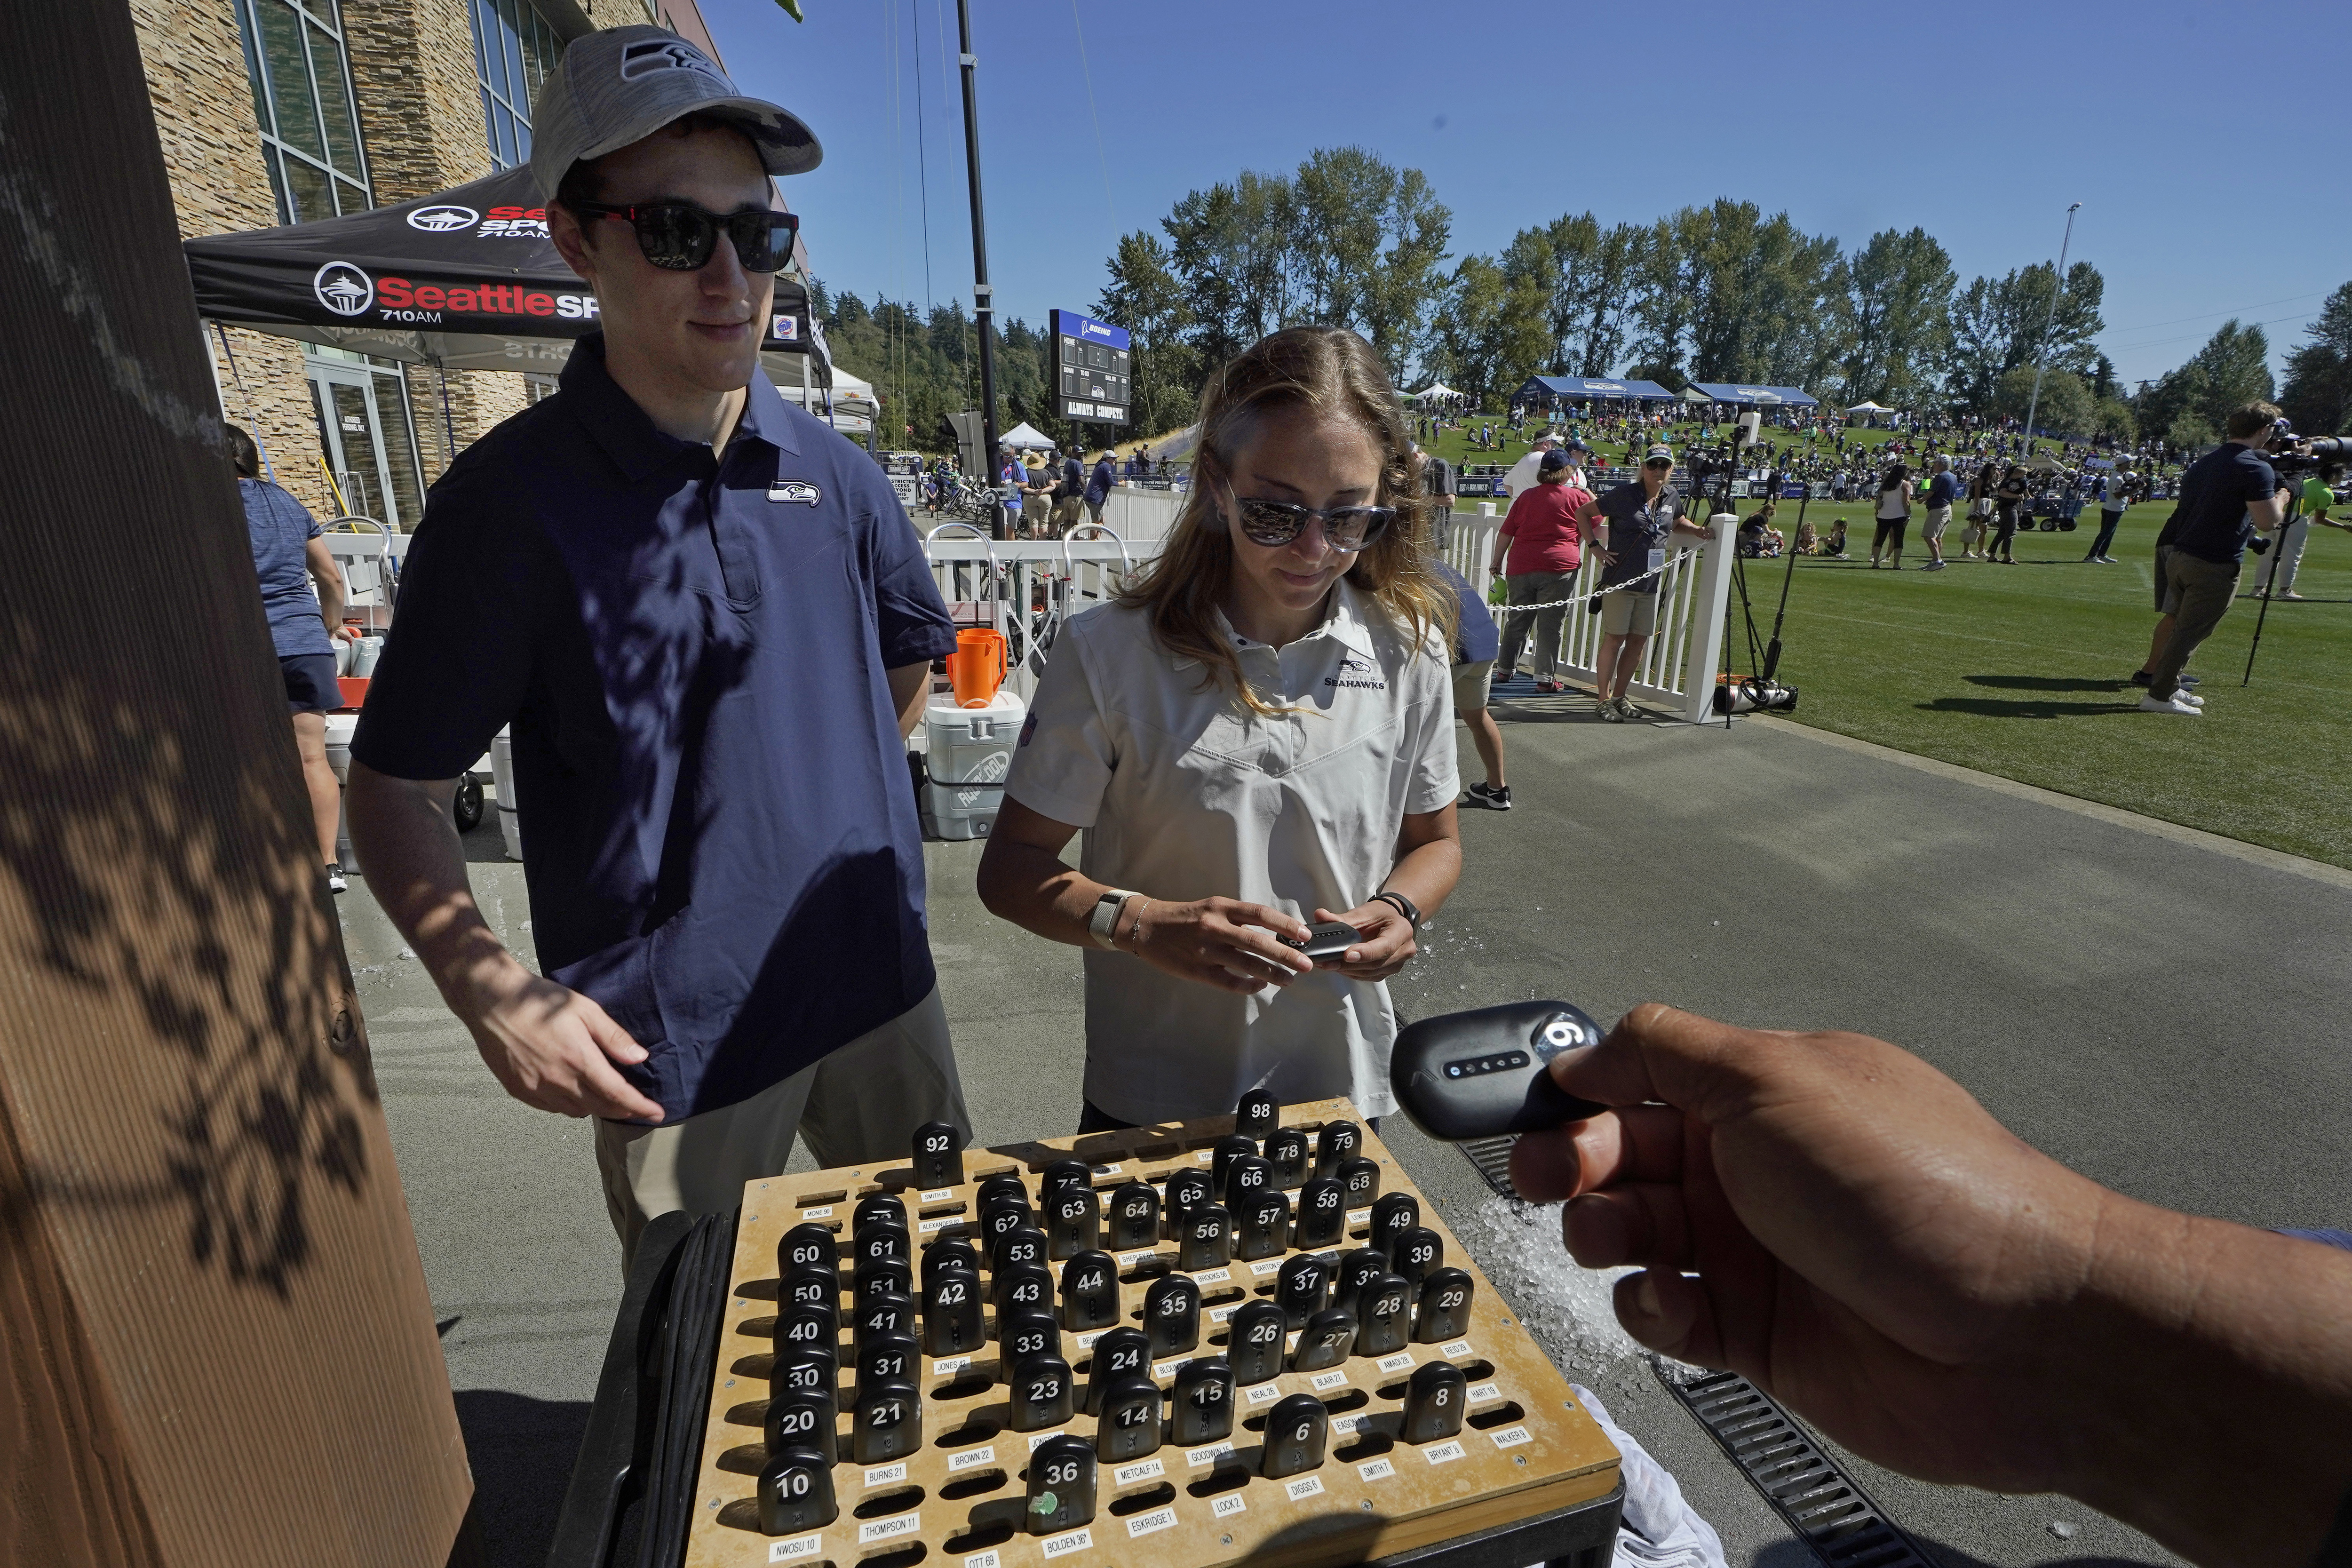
{"type": "Point", "coordinates": [1659, 1529]}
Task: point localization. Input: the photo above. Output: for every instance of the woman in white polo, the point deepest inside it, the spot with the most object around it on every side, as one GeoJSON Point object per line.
{"type": "Point", "coordinates": [1258, 734]}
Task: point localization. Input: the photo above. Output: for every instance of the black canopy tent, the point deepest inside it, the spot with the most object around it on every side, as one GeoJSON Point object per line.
{"type": "Point", "coordinates": [463, 280]}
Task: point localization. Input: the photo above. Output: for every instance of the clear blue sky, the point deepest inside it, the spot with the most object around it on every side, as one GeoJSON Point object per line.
{"type": "Point", "coordinates": [1979, 123]}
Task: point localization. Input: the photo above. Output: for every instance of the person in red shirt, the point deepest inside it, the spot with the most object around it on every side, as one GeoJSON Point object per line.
{"type": "Point", "coordinates": [1544, 545]}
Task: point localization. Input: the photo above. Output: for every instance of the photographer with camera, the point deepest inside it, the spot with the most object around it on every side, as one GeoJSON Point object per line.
{"type": "Point", "coordinates": [2225, 497]}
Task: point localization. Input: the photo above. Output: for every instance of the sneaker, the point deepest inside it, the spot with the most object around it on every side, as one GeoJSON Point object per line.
{"type": "Point", "coordinates": [1874, 563]}
{"type": "Point", "coordinates": [2192, 680]}
{"type": "Point", "coordinates": [1625, 710]}
{"type": "Point", "coordinates": [1546, 688]}
{"type": "Point", "coordinates": [1480, 795]}
{"type": "Point", "coordinates": [1608, 712]}
{"type": "Point", "coordinates": [2185, 695]}
{"type": "Point", "coordinates": [2290, 593]}
{"type": "Point", "coordinates": [2149, 704]}
{"type": "Point", "coordinates": [1933, 566]}
{"type": "Point", "coordinates": [1501, 677]}
{"type": "Point", "coordinates": [335, 880]}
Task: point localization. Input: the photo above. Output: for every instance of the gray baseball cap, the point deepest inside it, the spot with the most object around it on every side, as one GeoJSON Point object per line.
{"type": "Point", "coordinates": [622, 84]}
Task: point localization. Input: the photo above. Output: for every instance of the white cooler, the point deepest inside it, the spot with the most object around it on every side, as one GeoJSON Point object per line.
{"type": "Point", "coordinates": [967, 753]}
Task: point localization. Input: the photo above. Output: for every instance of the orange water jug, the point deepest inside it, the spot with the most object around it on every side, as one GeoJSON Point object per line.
{"type": "Point", "coordinates": [977, 667]}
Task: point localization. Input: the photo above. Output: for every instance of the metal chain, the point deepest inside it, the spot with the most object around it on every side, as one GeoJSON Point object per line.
{"type": "Point", "coordinates": [1594, 593]}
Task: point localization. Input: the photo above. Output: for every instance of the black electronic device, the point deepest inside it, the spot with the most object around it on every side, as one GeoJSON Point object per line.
{"type": "Point", "coordinates": [879, 1315]}
{"type": "Point", "coordinates": [1289, 1153]}
{"type": "Point", "coordinates": [1005, 1183]}
{"type": "Point", "coordinates": [1089, 1292]}
{"type": "Point", "coordinates": [807, 1328]}
{"type": "Point", "coordinates": [1257, 1114]}
{"type": "Point", "coordinates": [1245, 1178]}
{"type": "Point", "coordinates": [1384, 1317]}
{"type": "Point", "coordinates": [1128, 1427]}
{"type": "Point", "coordinates": [880, 1241]}
{"type": "Point", "coordinates": [1297, 1429]}
{"type": "Point", "coordinates": [885, 1424]}
{"type": "Point", "coordinates": [1435, 1398]}
{"type": "Point", "coordinates": [801, 1421]}
{"type": "Point", "coordinates": [1326, 942]}
{"type": "Point", "coordinates": [1073, 1222]}
{"type": "Point", "coordinates": [1392, 1218]}
{"type": "Point", "coordinates": [808, 1246]}
{"type": "Point", "coordinates": [1204, 1237]}
{"type": "Point", "coordinates": [1016, 1248]}
{"type": "Point", "coordinates": [1120, 1352]}
{"type": "Point", "coordinates": [1261, 1226]}
{"type": "Point", "coordinates": [1253, 1342]}
{"type": "Point", "coordinates": [951, 1312]}
{"type": "Point", "coordinates": [1322, 1219]}
{"type": "Point", "coordinates": [1223, 1153]}
{"type": "Point", "coordinates": [887, 1358]}
{"type": "Point", "coordinates": [1444, 1310]}
{"type": "Point", "coordinates": [804, 1371]}
{"type": "Point", "coordinates": [950, 1252]}
{"type": "Point", "coordinates": [1325, 1342]}
{"type": "Point", "coordinates": [1485, 1073]}
{"type": "Point", "coordinates": [1301, 1287]}
{"type": "Point", "coordinates": [885, 1206]}
{"type": "Point", "coordinates": [1041, 1393]}
{"type": "Point", "coordinates": [939, 1156]}
{"type": "Point", "coordinates": [1202, 1405]}
{"type": "Point", "coordinates": [1024, 1288]}
{"type": "Point", "coordinates": [1134, 1215]}
{"type": "Point", "coordinates": [811, 1288]}
{"type": "Point", "coordinates": [1023, 1335]}
{"type": "Point", "coordinates": [1171, 1315]}
{"type": "Point", "coordinates": [888, 1277]}
{"type": "Point", "coordinates": [1358, 1269]}
{"type": "Point", "coordinates": [1362, 1180]}
{"type": "Point", "coordinates": [796, 1492]}
{"type": "Point", "coordinates": [1065, 1173]}
{"type": "Point", "coordinates": [1187, 1189]}
{"type": "Point", "coordinates": [1338, 1143]}
{"type": "Point", "coordinates": [1417, 1254]}
{"type": "Point", "coordinates": [1061, 1486]}
{"type": "Point", "coordinates": [1000, 1215]}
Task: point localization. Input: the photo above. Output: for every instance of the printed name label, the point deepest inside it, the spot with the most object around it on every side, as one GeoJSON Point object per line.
{"type": "Point", "coordinates": [1305, 1487]}
{"type": "Point", "coordinates": [1355, 1214]}
{"type": "Point", "coordinates": [824, 1213]}
{"type": "Point", "coordinates": [890, 1529]}
{"type": "Point", "coordinates": [970, 1457]}
{"type": "Point", "coordinates": [882, 1474]}
{"type": "Point", "coordinates": [1228, 1504]}
{"type": "Point", "coordinates": [1439, 1453]}
{"type": "Point", "coordinates": [1141, 1470]}
{"type": "Point", "coordinates": [1213, 1275]}
{"type": "Point", "coordinates": [950, 1363]}
{"type": "Point", "coordinates": [1146, 1523]}
{"type": "Point", "coordinates": [939, 1196]}
{"type": "Point", "coordinates": [1195, 1457]}
{"type": "Point", "coordinates": [1378, 1470]}
{"type": "Point", "coordinates": [1038, 1438]}
{"type": "Point", "coordinates": [1484, 1391]}
{"type": "Point", "coordinates": [798, 1547]}
{"type": "Point", "coordinates": [1345, 1425]}
{"type": "Point", "coordinates": [1396, 1363]}
{"type": "Point", "coordinates": [1223, 1314]}
{"type": "Point", "coordinates": [1086, 1341]}
{"type": "Point", "coordinates": [1264, 1394]}
{"type": "Point", "coordinates": [983, 1560]}
{"type": "Point", "coordinates": [1166, 1368]}
{"type": "Point", "coordinates": [1205, 1155]}
{"type": "Point", "coordinates": [1459, 1347]}
{"type": "Point", "coordinates": [1512, 1437]}
{"type": "Point", "coordinates": [1265, 1265]}
{"type": "Point", "coordinates": [1324, 1381]}
{"type": "Point", "coordinates": [1063, 1545]}
{"type": "Point", "coordinates": [925, 1228]}
{"type": "Point", "coordinates": [1128, 1259]}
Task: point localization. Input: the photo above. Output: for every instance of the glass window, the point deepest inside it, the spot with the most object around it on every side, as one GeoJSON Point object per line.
{"type": "Point", "coordinates": [301, 80]}
{"type": "Point", "coordinates": [514, 50]}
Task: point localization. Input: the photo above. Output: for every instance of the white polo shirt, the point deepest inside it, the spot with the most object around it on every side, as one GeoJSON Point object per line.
{"type": "Point", "coordinates": [1183, 794]}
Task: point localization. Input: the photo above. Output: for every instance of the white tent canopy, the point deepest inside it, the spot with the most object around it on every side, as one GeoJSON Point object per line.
{"type": "Point", "coordinates": [1025, 438]}
{"type": "Point", "coordinates": [1870, 408]}
{"type": "Point", "coordinates": [1434, 390]}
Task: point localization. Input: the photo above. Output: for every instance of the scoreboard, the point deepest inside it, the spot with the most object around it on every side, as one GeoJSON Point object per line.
{"type": "Point", "coordinates": [1093, 365]}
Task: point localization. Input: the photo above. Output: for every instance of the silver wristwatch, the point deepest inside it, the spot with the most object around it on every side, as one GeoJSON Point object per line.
{"type": "Point", "coordinates": [1104, 921]}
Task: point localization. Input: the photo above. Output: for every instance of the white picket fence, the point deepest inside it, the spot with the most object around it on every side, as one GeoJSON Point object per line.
{"type": "Point", "coordinates": [1024, 589]}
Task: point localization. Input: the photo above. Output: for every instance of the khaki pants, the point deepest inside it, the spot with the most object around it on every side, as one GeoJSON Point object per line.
{"type": "Point", "coordinates": [1066, 514]}
{"type": "Point", "coordinates": [861, 1102]}
{"type": "Point", "coordinates": [2205, 588]}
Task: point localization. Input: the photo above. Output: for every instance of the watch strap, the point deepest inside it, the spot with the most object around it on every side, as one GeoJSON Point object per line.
{"type": "Point", "coordinates": [1402, 905]}
{"type": "Point", "coordinates": [1102, 923]}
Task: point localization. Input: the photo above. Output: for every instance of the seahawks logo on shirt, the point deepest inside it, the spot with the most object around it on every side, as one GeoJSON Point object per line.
{"type": "Point", "coordinates": [1350, 664]}
{"type": "Point", "coordinates": [794, 492]}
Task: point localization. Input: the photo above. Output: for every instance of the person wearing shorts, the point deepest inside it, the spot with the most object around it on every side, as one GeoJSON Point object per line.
{"type": "Point", "coordinates": [290, 559]}
{"type": "Point", "coordinates": [1981, 488]}
{"type": "Point", "coordinates": [1941, 489]}
{"type": "Point", "coordinates": [1638, 524]}
{"type": "Point", "coordinates": [1477, 641]}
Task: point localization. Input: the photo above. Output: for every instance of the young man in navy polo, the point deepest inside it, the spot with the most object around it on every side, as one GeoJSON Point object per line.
{"type": "Point", "coordinates": [709, 624]}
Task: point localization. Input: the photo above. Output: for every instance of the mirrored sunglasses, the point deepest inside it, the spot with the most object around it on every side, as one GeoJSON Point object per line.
{"type": "Point", "coordinates": [679, 237]}
{"type": "Point", "coordinates": [1276, 522]}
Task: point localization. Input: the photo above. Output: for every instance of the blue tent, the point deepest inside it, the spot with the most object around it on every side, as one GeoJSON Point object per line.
{"type": "Point", "coordinates": [1538, 388]}
{"type": "Point", "coordinates": [1732, 392]}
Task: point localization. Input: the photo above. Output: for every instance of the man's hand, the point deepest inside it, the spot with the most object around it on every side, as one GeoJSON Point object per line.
{"type": "Point", "coordinates": [551, 1046]}
{"type": "Point", "coordinates": [1220, 941]}
{"type": "Point", "coordinates": [1388, 941]}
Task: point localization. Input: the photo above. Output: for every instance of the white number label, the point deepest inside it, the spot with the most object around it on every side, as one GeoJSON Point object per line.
{"type": "Point", "coordinates": [1439, 1453]}
{"type": "Point", "coordinates": [1159, 1518]}
{"type": "Point", "coordinates": [882, 1474]}
{"type": "Point", "coordinates": [890, 1529]}
{"type": "Point", "coordinates": [1327, 1380]}
{"type": "Point", "coordinates": [799, 1546]}
{"type": "Point", "coordinates": [1378, 1470]}
{"type": "Point", "coordinates": [970, 1457]}
{"type": "Point", "coordinates": [1063, 1545]}
{"type": "Point", "coordinates": [1229, 1505]}
{"type": "Point", "coordinates": [1305, 1487]}
{"type": "Point", "coordinates": [1141, 1470]}
{"type": "Point", "coordinates": [1396, 1363]}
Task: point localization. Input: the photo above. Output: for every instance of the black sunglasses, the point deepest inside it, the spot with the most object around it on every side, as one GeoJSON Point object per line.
{"type": "Point", "coordinates": [1659, 463]}
{"type": "Point", "coordinates": [679, 237]}
{"type": "Point", "coordinates": [1278, 522]}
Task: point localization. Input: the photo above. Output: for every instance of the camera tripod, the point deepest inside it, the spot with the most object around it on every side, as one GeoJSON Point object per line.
{"type": "Point", "coordinates": [2277, 549]}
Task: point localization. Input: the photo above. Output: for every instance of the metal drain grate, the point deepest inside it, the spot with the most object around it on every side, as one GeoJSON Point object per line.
{"type": "Point", "coordinates": [1823, 1504]}
{"type": "Point", "coordinates": [1492, 1156]}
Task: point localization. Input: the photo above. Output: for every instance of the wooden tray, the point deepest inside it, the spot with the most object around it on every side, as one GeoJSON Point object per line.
{"type": "Point", "coordinates": [1527, 1449]}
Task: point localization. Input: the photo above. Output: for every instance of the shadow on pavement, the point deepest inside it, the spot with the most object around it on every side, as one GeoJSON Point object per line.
{"type": "Point", "coordinates": [521, 1451]}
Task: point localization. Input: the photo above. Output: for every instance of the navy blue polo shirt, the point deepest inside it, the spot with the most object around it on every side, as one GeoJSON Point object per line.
{"type": "Point", "coordinates": [717, 835]}
{"type": "Point", "coordinates": [2210, 521]}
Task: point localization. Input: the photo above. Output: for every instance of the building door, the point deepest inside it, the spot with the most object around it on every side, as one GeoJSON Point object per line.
{"type": "Point", "coordinates": [363, 432]}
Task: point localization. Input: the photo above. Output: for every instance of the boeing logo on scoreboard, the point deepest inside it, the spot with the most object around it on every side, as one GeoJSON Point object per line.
{"type": "Point", "coordinates": [1086, 329]}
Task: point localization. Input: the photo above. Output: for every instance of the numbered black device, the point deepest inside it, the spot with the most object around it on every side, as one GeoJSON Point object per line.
{"type": "Point", "coordinates": [808, 1329]}
{"type": "Point", "coordinates": [1322, 1213]}
{"type": "Point", "coordinates": [1418, 1254]}
{"type": "Point", "coordinates": [1383, 1317]}
{"type": "Point", "coordinates": [817, 1287]}
{"type": "Point", "coordinates": [1134, 1217]}
{"type": "Point", "coordinates": [1023, 1335]}
{"type": "Point", "coordinates": [1361, 1178]}
{"type": "Point", "coordinates": [1120, 1353]}
{"type": "Point", "coordinates": [1041, 1393]}
{"type": "Point", "coordinates": [1204, 1237]}
{"type": "Point", "coordinates": [880, 1240]}
{"type": "Point", "coordinates": [803, 1371]}
{"type": "Point", "coordinates": [1061, 1486]}
{"type": "Point", "coordinates": [1485, 1073]}
{"type": "Point", "coordinates": [1261, 1226]}
{"type": "Point", "coordinates": [1301, 1287]}
{"type": "Point", "coordinates": [1296, 1431]}
{"type": "Point", "coordinates": [1222, 1155]}
{"type": "Point", "coordinates": [938, 1156]}
{"type": "Point", "coordinates": [951, 1314]}
{"type": "Point", "coordinates": [889, 1277]}
{"type": "Point", "coordinates": [1203, 1402]}
{"type": "Point", "coordinates": [1253, 1342]}
{"type": "Point", "coordinates": [1005, 1183]}
{"type": "Point", "coordinates": [877, 1316]}
{"type": "Point", "coordinates": [1257, 1114]}
{"type": "Point", "coordinates": [887, 1358]}
{"type": "Point", "coordinates": [1065, 1173]}
{"type": "Point", "coordinates": [1325, 1340]}
{"type": "Point", "coordinates": [1434, 1402]}
{"type": "Point", "coordinates": [1338, 1143]}
{"type": "Point", "coordinates": [1326, 942]}
{"type": "Point", "coordinates": [1073, 1222]}
{"type": "Point", "coordinates": [1287, 1151]}
{"type": "Point", "coordinates": [1017, 1247]}
{"type": "Point", "coordinates": [1128, 1426]}
{"type": "Point", "coordinates": [796, 1492]}
{"type": "Point", "coordinates": [885, 1206]}
{"type": "Point", "coordinates": [1089, 1292]}
{"type": "Point", "coordinates": [887, 1423]}
{"type": "Point", "coordinates": [1172, 1314]}
{"type": "Point", "coordinates": [801, 1421]}
{"type": "Point", "coordinates": [1358, 1269]}
{"type": "Point", "coordinates": [1024, 1288]}
{"type": "Point", "coordinates": [808, 1246]}
{"type": "Point", "coordinates": [1444, 1307]}
{"type": "Point", "coordinates": [1392, 1218]}
{"type": "Point", "coordinates": [1187, 1190]}
{"type": "Point", "coordinates": [950, 1252]}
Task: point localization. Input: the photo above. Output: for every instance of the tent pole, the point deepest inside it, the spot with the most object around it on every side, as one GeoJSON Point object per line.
{"type": "Point", "coordinates": [448, 420]}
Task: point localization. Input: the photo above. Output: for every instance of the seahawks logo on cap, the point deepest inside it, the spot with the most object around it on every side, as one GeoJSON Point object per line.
{"type": "Point", "coordinates": [651, 55]}
{"type": "Point", "coordinates": [794, 492]}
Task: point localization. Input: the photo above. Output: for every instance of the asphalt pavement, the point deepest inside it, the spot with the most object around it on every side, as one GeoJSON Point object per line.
{"type": "Point", "coordinates": [2161, 1010]}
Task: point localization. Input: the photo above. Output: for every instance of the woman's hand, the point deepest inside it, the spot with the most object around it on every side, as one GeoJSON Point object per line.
{"type": "Point", "coordinates": [1221, 943]}
{"type": "Point", "coordinates": [1388, 941]}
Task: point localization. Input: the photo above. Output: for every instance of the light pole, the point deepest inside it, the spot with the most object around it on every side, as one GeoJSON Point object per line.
{"type": "Point", "coordinates": [983, 301]}
{"type": "Point", "coordinates": [2042, 358]}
